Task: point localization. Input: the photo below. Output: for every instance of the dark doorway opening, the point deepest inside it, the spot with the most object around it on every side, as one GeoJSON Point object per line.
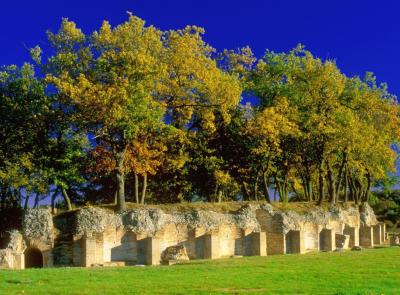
{"type": "Point", "coordinates": [33, 258]}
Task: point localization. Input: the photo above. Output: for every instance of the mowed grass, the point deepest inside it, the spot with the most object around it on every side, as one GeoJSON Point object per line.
{"type": "Point", "coordinates": [374, 271]}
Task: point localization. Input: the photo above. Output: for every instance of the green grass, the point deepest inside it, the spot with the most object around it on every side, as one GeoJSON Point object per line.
{"type": "Point", "coordinates": [375, 271]}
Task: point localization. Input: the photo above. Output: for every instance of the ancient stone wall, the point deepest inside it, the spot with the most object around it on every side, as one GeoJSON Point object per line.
{"type": "Point", "coordinates": [95, 236]}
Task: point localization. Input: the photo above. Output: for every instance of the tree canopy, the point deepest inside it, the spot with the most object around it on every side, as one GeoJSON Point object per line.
{"type": "Point", "coordinates": [133, 113]}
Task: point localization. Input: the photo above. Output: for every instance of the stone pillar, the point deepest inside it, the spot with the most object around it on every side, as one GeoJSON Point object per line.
{"type": "Point", "coordinates": [77, 251]}
{"type": "Point", "coordinates": [377, 234]}
{"type": "Point", "coordinates": [327, 240]}
{"type": "Point", "coordinates": [19, 261]}
{"type": "Point", "coordinates": [47, 258]}
{"type": "Point", "coordinates": [245, 248]}
{"type": "Point", "coordinates": [259, 244]}
{"type": "Point", "coordinates": [383, 231]}
{"type": "Point", "coordinates": [88, 251]}
{"type": "Point", "coordinates": [295, 242]}
{"type": "Point", "coordinates": [211, 246]}
{"type": "Point", "coordinates": [366, 236]}
{"type": "Point", "coordinates": [197, 246]}
{"type": "Point", "coordinates": [153, 253]}
{"type": "Point", "coordinates": [276, 243]}
{"type": "Point", "coordinates": [354, 234]}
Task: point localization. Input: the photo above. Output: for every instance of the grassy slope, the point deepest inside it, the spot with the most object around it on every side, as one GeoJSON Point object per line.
{"type": "Point", "coordinates": [375, 271]}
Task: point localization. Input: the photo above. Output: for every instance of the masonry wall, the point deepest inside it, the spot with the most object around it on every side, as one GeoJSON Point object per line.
{"type": "Point", "coordinates": [311, 242]}
{"type": "Point", "coordinates": [276, 234]}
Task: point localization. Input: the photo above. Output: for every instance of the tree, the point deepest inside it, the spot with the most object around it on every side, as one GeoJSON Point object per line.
{"type": "Point", "coordinates": [112, 90]}
{"type": "Point", "coordinates": [23, 110]}
{"type": "Point", "coordinates": [346, 125]}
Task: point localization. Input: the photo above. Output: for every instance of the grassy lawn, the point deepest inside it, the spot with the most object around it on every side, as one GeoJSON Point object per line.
{"type": "Point", "coordinates": [375, 271]}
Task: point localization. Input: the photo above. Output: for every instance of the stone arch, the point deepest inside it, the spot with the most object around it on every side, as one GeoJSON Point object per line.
{"type": "Point", "coordinates": [33, 258]}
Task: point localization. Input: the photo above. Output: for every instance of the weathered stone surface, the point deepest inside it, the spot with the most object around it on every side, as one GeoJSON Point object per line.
{"type": "Point", "coordinates": [95, 220]}
{"type": "Point", "coordinates": [5, 259]}
{"type": "Point", "coordinates": [327, 239]}
{"type": "Point", "coordinates": [38, 224]}
{"type": "Point", "coordinates": [395, 241]}
{"type": "Point", "coordinates": [367, 236]}
{"type": "Point", "coordinates": [354, 235]}
{"type": "Point", "coordinates": [342, 241]}
{"type": "Point", "coordinates": [147, 235]}
{"type": "Point", "coordinates": [153, 220]}
{"type": "Point", "coordinates": [356, 248]}
{"type": "Point", "coordinates": [367, 215]}
{"type": "Point", "coordinates": [174, 253]}
{"type": "Point", "coordinates": [17, 243]}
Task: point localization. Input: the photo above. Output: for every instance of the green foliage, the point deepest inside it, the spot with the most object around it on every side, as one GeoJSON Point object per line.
{"type": "Point", "coordinates": [387, 205]}
{"type": "Point", "coordinates": [133, 112]}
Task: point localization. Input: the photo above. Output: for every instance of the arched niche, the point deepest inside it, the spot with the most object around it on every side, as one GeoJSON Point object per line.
{"type": "Point", "coordinates": [33, 258]}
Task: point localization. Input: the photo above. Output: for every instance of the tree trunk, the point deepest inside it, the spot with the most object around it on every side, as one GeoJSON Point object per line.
{"type": "Point", "coordinates": [120, 178]}
{"type": "Point", "coordinates": [245, 191]}
{"type": "Point", "coordinates": [136, 188]}
{"type": "Point", "coordinates": [53, 205]}
{"type": "Point", "coordinates": [320, 187]}
{"type": "Point", "coordinates": [26, 201]}
{"type": "Point", "coordinates": [256, 187]}
{"type": "Point", "coordinates": [283, 190]}
{"type": "Point", "coordinates": [310, 190]}
{"type": "Point", "coordinates": [36, 205]}
{"type": "Point", "coordinates": [144, 188]}
{"type": "Point", "coordinates": [66, 198]}
{"type": "Point", "coordinates": [358, 191]}
{"type": "Point", "coordinates": [219, 196]}
{"type": "Point", "coordinates": [266, 192]}
{"type": "Point", "coordinates": [351, 188]}
{"type": "Point", "coordinates": [330, 184]}
{"type": "Point", "coordinates": [340, 174]}
{"type": "Point", "coordinates": [345, 185]}
{"type": "Point", "coordinates": [366, 194]}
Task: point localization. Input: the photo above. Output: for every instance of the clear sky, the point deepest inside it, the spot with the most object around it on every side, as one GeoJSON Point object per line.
{"type": "Point", "coordinates": [360, 35]}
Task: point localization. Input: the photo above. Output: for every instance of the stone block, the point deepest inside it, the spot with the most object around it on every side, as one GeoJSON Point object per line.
{"type": "Point", "coordinates": [88, 251]}
{"type": "Point", "coordinates": [19, 261]}
{"type": "Point", "coordinates": [211, 246]}
{"type": "Point", "coordinates": [174, 253]}
{"type": "Point", "coordinates": [354, 235]}
{"type": "Point", "coordinates": [153, 255]}
{"type": "Point", "coordinates": [258, 244]}
{"type": "Point", "coordinates": [276, 243]}
{"type": "Point", "coordinates": [366, 236]}
{"type": "Point", "coordinates": [377, 234]}
{"type": "Point", "coordinates": [383, 231]}
{"type": "Point", "coordinates": [295, 242]}
{"type": "Point", "coordinates": [395, 240]}
{"type": "Point", "coordinates": [327, 240]}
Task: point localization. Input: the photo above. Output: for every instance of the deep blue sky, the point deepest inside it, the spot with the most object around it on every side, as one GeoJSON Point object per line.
{"type": "Point", "coordinates": [360, 35]}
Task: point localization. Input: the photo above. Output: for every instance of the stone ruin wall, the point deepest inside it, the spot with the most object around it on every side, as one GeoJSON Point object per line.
{"type": "Point", "coordinates": [99, 237]}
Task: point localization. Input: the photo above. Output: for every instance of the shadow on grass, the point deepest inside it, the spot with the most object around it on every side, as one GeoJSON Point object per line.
{"type": "Point", "coordinates": [19, 282]}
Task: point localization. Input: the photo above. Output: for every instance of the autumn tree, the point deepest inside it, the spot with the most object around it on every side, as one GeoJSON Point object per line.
{"type": "Point", "coordinates": [112, 91]}
{"type": "Point", "coordinates": [334, 116]}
